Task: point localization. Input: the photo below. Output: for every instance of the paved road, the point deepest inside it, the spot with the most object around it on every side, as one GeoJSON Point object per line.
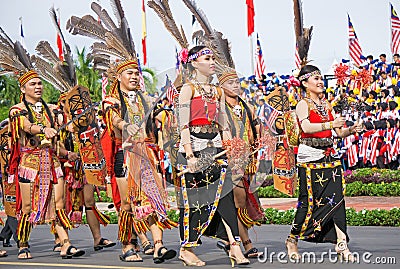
{"type": "Point", "coordinates": [381, 242]}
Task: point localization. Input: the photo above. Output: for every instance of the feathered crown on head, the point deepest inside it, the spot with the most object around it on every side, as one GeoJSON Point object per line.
{"type": "Point", "coordinates": [163, 10]}
{"type": "Point", "coordinates": [14, 59]}
{"type": "Point", "coordinates": [214, 40]}
{"type": "Point", "coordinates": [116, 50]}
{"type": "Point", "coordinates": [61, 74]}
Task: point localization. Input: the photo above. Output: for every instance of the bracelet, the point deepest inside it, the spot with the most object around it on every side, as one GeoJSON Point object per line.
{"type": "Point", "coordinates": [68, 152]}
{"type": "Point", "coordinates": [190, 156]}
{"type": "Point", "coordinates": [42, 129]}
{"type": "Point", "coordinates": [331, 125]}
{"type": "Point", "coordinates": [30, 128]}
{"type": "Point", "coordinates": [323, 126]}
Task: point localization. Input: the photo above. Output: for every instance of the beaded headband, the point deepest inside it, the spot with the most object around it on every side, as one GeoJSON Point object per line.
{"type": "Point", "coordinates": [126, 65]}
{"type": "Point", "coordinates": [307, 75]}
{"type": "Point", "coordinates": [27, 76]}
{"type": "Point", "coordinates": [198, 54]}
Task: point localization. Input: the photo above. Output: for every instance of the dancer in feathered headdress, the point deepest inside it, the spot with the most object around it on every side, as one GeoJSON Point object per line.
{"type": "Point", "coordinates": [202, 119]}
{"type": "Point", "coordinates": [143, 198]}
{"type": "Point", "coordinates": [242, 123]}
{"type": "Point", "coordinates": [33, 165]}
{"type": "Point", "coordinates": [84, 165]}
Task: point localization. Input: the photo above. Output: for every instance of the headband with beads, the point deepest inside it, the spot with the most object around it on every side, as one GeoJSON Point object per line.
{"type": "Point", "coordinates": [307, 75]}
{"type": "Point", "coordinates": [198, 54]}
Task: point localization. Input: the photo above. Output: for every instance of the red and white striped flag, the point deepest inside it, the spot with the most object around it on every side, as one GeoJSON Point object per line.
{"type": "Point", "coordinates": [395, 25]}
{"type": "Point", "coordinates": [171, 92]}
{"type": "Point", "coordinates": [355, 50]}
{"type": "Point", "coordinates": [104, 83]}
{"type": "Point", "coordinates": [297, 59]}
{"type": "Point", "coordinates": [260, 64]}
{"type": "Point", "coordinates": [271, 114]}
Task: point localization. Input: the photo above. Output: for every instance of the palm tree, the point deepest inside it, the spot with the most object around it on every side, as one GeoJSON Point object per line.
{"type": "Point", "coordinates": [150, 80]}
{"type": "Point", "coordinates": [87, 76]}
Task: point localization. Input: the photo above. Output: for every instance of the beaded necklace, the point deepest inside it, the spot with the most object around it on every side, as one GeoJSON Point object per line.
{"type": "Point", "coordinates": [241, 121]}
{"type": "Point", "coordinates": [210, 96]}
{"type": "Point", "coordinates": [322, 109]}
{"type": "Point", "coordinates": [134, 116]}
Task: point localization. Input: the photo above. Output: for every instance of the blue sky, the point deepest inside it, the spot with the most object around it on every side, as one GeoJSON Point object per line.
{"type": "Point", "coordinates": [273, 22]}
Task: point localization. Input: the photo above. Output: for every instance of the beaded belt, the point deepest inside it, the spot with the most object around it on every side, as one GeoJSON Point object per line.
{"type": "Point", "coordinates": [204, 129]}
{"type": "Point", "coordinates": [317, 142]}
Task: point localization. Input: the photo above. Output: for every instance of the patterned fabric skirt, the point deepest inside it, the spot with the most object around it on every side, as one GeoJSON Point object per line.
{"type": "Point", "coordinates": [321, 203]}
{"type": "Point", "coordinates": [204, 200]}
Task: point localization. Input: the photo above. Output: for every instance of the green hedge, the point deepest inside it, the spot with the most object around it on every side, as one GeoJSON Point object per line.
{"type": "Point", "coordinates": [374, 217]}
{"type": "Point", "coordinates": [364, 217]}
{"type": "Point", "coordinates": [356, 188]}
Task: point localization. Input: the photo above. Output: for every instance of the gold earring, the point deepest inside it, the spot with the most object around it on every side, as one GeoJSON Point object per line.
{"type": "Point", "coordinates": [308, 94]}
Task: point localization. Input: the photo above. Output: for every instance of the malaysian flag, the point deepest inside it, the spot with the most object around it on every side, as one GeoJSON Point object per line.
{"type": "Point", "coordinates": [395, 25]}
{"type": "Point", "coordinates": [141, 78]}
{"type": "Point", "coordinates": [260, 64]}
{"type": "Point", "coordinates": [104, 83]}
{"type": "Point", "coordinates": [297, 59]}
{"type": "Point", "coordinates": [355, 50]}
{"type": "Point", "coordinates": [270, 115]}
{"type": "Point", "coordinates": [171, 90]}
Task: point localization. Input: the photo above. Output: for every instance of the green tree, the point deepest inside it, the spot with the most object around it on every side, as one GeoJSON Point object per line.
{"type": "Point", "coordinates": [50, 94]}
{"type": "Point", "coordinates": [9, 94]}
{"type": "Point", "coordinates": [150, 79]}
{"type": "Point", "coordinates": [87, 76]}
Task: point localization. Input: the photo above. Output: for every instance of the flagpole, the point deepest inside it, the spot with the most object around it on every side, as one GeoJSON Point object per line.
{"type": "Point", "coordinates": [252, 53]}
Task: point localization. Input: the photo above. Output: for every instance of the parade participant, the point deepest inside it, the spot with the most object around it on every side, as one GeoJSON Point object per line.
{"type": "Point", "coordinates": [79, 138]}
{"type": "Point", "coordinates": [320, 215]}
{"type": "Point", "coordinates": [206, 198]}
{"type": "Point", "coordinates": [77, 187]}
{"type": "Point", "coordinates": [242, 124]}
{"type": "Point", "coordinates": [33, 164]}
{"type": "Point", "coordinates": [143, 198]}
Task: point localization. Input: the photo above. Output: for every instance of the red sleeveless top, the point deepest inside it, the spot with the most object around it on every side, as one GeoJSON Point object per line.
{"type": "Point", "coordinates": [202, 112]}
{"type": "Point", "coordinates": [316, 117]}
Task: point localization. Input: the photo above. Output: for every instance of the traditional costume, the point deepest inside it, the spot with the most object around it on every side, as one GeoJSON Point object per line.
{"type": "Point", "coordinates": [135, 158]}
{"type": "Point", "coordinates": [321, 203]}
{"type": "Point", "coordinates": [33, 158]}
{"type": "Point", "coordinates": [75, 105]}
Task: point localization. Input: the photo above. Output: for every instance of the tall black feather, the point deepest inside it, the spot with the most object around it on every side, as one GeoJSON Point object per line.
{"type": "Point", "coordinates": [66, 49]}
{"type": "Point", "coordinates": [23, 55]}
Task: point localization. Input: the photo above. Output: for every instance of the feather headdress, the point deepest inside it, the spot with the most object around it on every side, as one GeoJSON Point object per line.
{"type": "Point", "coordinates": [61, 74]}
{"type": "Point", "coordinates": [163, 10]}
{"type": "Point", "coordinates": [214, 40]}
{"type": "Point", "coordinates": [14, 59]}
{"type": "Point", "coordinates": [303, 35]}
{"type": "Point", "coordinates": [115, 51]}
